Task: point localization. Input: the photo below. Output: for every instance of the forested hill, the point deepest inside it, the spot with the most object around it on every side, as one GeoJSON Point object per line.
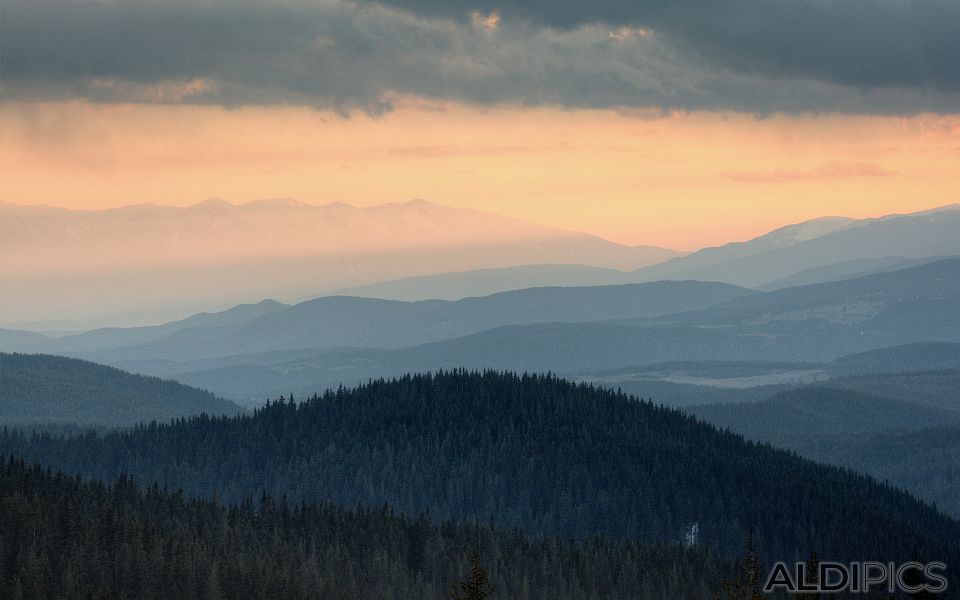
{"type": "Point", "coordinates": [61, 538]}
{"type": "Point", "coordinates": [533, 451]}
{"type": "Point", "coordinates": [39, 388]}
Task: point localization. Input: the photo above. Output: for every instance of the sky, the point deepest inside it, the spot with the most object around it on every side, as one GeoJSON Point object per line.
{"type": "Point", "coordinates": [682, 123]}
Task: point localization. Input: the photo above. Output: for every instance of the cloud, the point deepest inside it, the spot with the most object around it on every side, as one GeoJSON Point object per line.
{"type": "Point", "coordinates": [849, 42]}
{"type": "Point", "coordinates": [830, 170]}
{"type": "Point", "coordinates": [454, 151]}
{"type": "Point", "coordinates": [626, 32]}
{"type": "Point", "coordinates": [347, 56]}
{"type": "Point", "coordinates": [489, 23]}
{"type": "Point", "coordinates": [157, 92]}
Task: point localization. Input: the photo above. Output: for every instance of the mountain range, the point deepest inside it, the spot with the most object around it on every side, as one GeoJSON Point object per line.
{"type": "Point", "coordinates": [343, 321]}
{"type": "Point", "coordinates": [817, 251]}
{"type": "Point", "coordinates": [170, 262]}
{"type": "Point", "coordinates": [214, 253]}
{"type": "Point", "coordinates": [818, 243]}
{"type": "Point", "coordinates": [811, 338]}
{"type": "Point", "coordinates": [255, 351]}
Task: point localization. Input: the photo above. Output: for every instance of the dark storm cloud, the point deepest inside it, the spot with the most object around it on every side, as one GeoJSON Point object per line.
{"type": "Point", "coordinates": [851, 42]}
{"type": "Point", "coordinates": [754, 55]}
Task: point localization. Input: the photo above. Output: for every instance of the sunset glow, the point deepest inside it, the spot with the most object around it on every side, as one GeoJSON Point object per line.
{"type": "Point", "coordinates": [679, 180]}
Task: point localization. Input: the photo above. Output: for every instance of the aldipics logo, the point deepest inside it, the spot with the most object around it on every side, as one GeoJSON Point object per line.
{"type": "Point", "coordinates": [857, 577]}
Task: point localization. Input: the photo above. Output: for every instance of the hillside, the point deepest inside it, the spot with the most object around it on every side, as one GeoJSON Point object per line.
{"type": "Point", "coordinates": [910, 438]}
{"type": "Point", "coordinates": [847, 269]}
{"type": "Point", "coordinates": [534, 452]}
{"type": "Point", "coordinates": [114, 337]}
{"type": "Point", "coordinates": [12, 339]}
{"type": "Point", "coordinates": [921, 356]}
{"type": "Point", "coordinates": [862, 301]}
{"type": "Point", "coordinates": [484, 282]}
{"type": "Point", "coordinates": [924, 461]}
{"type": "Point", "coordinates": [159, 546]}
{"type": "Point", "coordinates": [342, 321]}
{"type": "Point", "coordinates": [818, 243]}
{"type": "Point", "coordinates": [556, 347]}
{"type": "Point", "coordinates": [809, 324]}
{"type": "Point", "coordinates": [788, 417]}
{"type": "Point", "coordinates": [39, 388]}
{"type": "Point", "coordinates": [927, 372]}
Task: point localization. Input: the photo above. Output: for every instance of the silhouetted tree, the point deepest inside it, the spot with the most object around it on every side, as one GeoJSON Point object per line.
{"type": "Point", "coordinates": [477, 586]}
{"type": "Point", "coordinates": [749, 587]}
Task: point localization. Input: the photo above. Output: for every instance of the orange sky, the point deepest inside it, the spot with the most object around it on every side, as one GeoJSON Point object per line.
{"type": "Point", "coordinates": [680, 180]}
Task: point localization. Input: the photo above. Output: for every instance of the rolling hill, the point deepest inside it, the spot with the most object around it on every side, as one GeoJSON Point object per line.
{"type": "Point", "coordinates": [534, 452]}
{"type": "Point", "coordinates": [484, 282]}
{"type": "Point", "coordinates": [909, 437]}
{"type": "Point", "coordinates": [920, 356]}
{"type": "Point", "coordinates": [812, 324]}
{"type": "Point", "coordinates": [847, 269]}
{"type": "Point", "coordinates": [927, 372]}
{"type": "Point", "coordinates": [341, 321]}
{"type": "Point", "coordinates": [788, 417]}
{"type": "Point", "coordinates": [213, 551]}
{"type": "Point", "coordinates": [924, 461]}
{"type": "Point", "coordinates": [37, 389]}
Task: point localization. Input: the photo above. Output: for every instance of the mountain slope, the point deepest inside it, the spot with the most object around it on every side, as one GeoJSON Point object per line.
{"type": "Point", "coordinates": [848, 269]}
{"type": "Point", "coordinates": [484, 282]}
{"type": "Point", "coordinates": [921, 356]}
{"type": "Point", "coordinates": [817, 243]}
{"type": "Point", "coordinates": [14, 339]}
{"type": "Point", "coordinates": [558, 347]}
{"type": "Point", "coordinates": [789, 416]}
{"type": "Point", "coordinates": [816, 323]}
{"type": "Point", "coordinates": [68, 530]}
{"type": "Point", "coordinates": [919, 303]}
{"type": "Point", "coordinates": [924, 461]}
{"type": "Point", "coordinates": [53, 389]}
{"type": "Point", "coordinates": [931, 388]}
{"type": "Point", "coordinates": [910, 443]}
{"type": "Point", "coordinates": [365, 322]}
{"type": "Point", "coordinates": [533, 451]}
{"type": "Point", "coordinates": [113, 337]}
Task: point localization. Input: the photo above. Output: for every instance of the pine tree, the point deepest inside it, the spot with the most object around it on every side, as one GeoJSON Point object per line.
{"type": "Point", "coordinates": [477, 586]}
{"type": "Point", "coordinates": [749, 589]}
{"type": "Point", "coordinates": [213, 591]}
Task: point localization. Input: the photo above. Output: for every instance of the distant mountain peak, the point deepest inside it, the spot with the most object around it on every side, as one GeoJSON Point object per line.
{"type": "Point", "coordinates": [209, 203]}
{"type": "Point", "coordinates": [214, 252]}
{"type": "Point", "coordinates": [950, 208]}
{"type": "Point", "coordinates": [274, 203]}
{"type": "Point", "coordinates": [806, 230]}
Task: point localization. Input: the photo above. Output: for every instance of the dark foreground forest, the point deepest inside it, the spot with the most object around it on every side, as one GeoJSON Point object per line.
{"type": "Point", "coordinates": [63, 538]}
{"type": "Point", "coordinates": [532, 452]}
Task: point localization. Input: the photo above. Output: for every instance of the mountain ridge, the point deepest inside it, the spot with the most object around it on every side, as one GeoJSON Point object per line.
{"type": "Point", "coordinates": [44, 389]}
{"type": "Point", "coordinates": [761, 260]}
{"type": "Point", "coordinates": [342, 321]}
{"type": "Point", "coordinates": [216, 253]}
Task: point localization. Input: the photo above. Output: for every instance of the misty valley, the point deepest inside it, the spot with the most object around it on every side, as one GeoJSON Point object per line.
{"type": "Point", "coordinates": [479, 300]}
{"type": "Point", "coordinates": [534, 430]}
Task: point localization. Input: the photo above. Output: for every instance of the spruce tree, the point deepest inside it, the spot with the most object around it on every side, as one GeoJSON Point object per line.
{"type": "Point", "coordinates": [475, 587]}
